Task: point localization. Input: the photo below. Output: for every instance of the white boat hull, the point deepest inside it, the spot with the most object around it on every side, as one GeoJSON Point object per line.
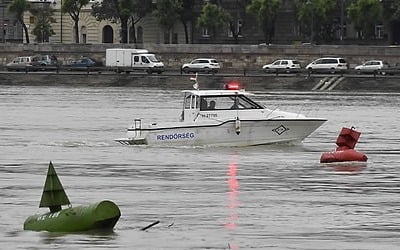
{"type": "Point", "coordinates": [229, 133]}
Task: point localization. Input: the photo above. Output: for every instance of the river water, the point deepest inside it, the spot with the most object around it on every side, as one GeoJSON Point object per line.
{"type": "Point", "coordinates": [259, 197]}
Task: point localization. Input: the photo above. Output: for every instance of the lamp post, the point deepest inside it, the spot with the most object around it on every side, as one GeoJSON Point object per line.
{"type": "Point", "coordinates": [61, 20]}
{"type": "Point", "coordinates": [342, 21]}
{"type": "Point", "coordinates": [4, 24]}
{"type": "Point", "coordinates": [61, 23]}
{"type": "Point", "coordinates": [309, 3]}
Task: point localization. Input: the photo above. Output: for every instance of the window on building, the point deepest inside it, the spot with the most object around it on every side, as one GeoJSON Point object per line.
{"type": "Point", "coordinates": [360, 34]}
{"type": "Point", "coordinates": [166, 37]}
{"type": "Point", "coordinates": [83, 34]}
{"type": "Point", "coordinates": [140, 34]}
{"type": "Point", "coordinates": [238, 28]}
{"type": "Point", "coordinates": [31, 19]}
{"type": "Point", "coordinates": [204, 32]}
{"type": "Point", "coordinates": [379, 31]}
{"type": "Point", "coordinates": [108, 34]}
{"type": "Point", "coordinates": [344, 31]}
{"type": "Point", "coordinates": [175, 38]}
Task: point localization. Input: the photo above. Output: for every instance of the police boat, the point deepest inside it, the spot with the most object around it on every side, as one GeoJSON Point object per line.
{"type": "Point", "coordinates": [227, 117]}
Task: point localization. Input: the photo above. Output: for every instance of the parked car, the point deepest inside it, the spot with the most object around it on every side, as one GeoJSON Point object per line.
{"type": "Point", "coordinates": [20, 63]}
{"type": "Point", "coordinates": [45, 62]}
{"type": "Point", "coordinates": [283, 65]}
{"type": "Point", "coordinates": [208, 65]}
{"type": "Point", "coordinates": [83, 63]}
{"type": "Point", "coordinates": [328, 64]}
{"type": "Point", "coordinates": [373, 66]}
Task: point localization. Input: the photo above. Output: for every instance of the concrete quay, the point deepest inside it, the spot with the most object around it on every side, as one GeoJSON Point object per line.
{"type": "Point", "coordinates": [271, 83]}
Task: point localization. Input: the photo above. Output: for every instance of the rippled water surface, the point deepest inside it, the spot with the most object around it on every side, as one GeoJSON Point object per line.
{"type": "Point", "coordinates": [260, 197]}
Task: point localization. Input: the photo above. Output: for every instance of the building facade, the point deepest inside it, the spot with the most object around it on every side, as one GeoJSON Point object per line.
{"type": "Point", "coordinates": [11, 29]}
{"type": "Point", "coordinates": [246, 29]}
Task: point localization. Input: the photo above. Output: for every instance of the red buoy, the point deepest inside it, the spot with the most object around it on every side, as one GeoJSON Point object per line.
{"type": "Point", "coordinates": [346, 142]}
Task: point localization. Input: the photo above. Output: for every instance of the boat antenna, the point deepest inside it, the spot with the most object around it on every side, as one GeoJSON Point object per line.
{"type": "Point", "coordinates": [53, 192]}
{"type": "Point", "coordinates": [196, 83]}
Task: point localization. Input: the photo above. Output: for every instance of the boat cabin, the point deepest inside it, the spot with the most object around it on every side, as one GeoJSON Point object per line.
{"type": "Point", "coordinates": [205, 103]}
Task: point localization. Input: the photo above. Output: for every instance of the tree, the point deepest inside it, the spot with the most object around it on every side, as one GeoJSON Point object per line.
{"type": "Point", "coordinates": [18, 7]}
{"type": "Point", "coordinates": [265, 11]}
{"type": "Point", "coordinates": [167, 12]}
{"type": "Point", "coordinates": [73, 8]}
{"type": "Point", "coordinates": [44, 18]}
{"type": "Point", "coordinates": [365, 14]}
{"type": "Point", "coordinates": [121, 11]}
{"type": "Point", "coordinates": [212, 17]}
{"type": "Point", "coordinates": [391, 17]}
{"type": "Point", "coordinates": [186, 16]}
{"type": "Point", "coordinates": [318, 18]}
{"type": "Point", "coordinates": [236, 15]}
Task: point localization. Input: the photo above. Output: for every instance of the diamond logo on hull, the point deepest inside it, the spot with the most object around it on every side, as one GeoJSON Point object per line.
{"type": "Point", "coordinates": [280, 130]}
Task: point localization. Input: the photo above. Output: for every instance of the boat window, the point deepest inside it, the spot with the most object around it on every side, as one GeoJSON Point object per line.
{"type": "Point", "coordinates": [228, 102]}
{"type": "Point", "coordinates": [190, 102]}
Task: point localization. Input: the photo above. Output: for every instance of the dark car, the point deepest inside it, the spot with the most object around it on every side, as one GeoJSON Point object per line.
{"type": "Point", "coordinates": [45, 62]}
{"type": "Point", "coordinates": [84, 63]}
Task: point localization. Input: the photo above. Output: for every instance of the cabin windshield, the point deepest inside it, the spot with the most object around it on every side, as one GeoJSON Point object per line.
{"type": "Point", "coordinates": [226, 102]}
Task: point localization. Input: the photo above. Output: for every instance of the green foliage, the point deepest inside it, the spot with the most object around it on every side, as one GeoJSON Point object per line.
{"type": "Point", "coordinates": [391, 10]}
{"type": "Point", "coordinates": [120, 11]}
{"type": "Point", "coordinates": [106, 10]}
{"type": "Point", "coordinates": [365, 14]}
{"type": "Point", "coordinates": [213, 16]}
{"type": "Point", "coordinates": [186, 16]}
{"type": "Point", "coordinates": [265, 11]}
{"type": "Point", "coordinates": [391, 16]}
{"type": "Point", "coordinates": [18, 7]}
{"type": "Point", "coordinates": [168, 12]}
{"type": "Point", "coordinates": [318, 17]}
{"type": "Point", "coordinates": [73, 8]}
{"type": "Point", "coordinates": [43, 20]}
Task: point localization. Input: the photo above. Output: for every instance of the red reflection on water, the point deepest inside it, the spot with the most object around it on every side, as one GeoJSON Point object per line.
{"type": "Point", "coordinates": [233, 203]}
{"type": "Point", "coordinates": [232, 199]}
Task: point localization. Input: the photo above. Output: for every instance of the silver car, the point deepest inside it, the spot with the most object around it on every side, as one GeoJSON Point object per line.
{"type": "Point", "coordinates": [373, 66]}
{"type": "Point", "coordinates": [208, 65]}
{"type": "Point", "coordinates": [328, 64]}
{"type": "Point", "coordinates": [283, 65]}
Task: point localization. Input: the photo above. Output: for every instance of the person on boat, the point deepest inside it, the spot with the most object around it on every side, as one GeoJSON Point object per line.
{"type": "Point", "coordinates": [212, 105]}
{"type": "Point", "coordinates": [235, 104]}
{"type": "Point", "coordinates": [203, 104]}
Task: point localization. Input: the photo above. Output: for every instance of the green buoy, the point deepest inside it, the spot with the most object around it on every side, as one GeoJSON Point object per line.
{"type": "Point", "coordinates": [99, 216]}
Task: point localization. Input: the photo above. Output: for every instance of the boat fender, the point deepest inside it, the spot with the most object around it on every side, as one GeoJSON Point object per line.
{"type": "Point", "coordinates": [237, 126]}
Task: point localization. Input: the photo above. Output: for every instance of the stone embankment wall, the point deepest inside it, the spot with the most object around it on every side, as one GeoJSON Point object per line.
{"type": "Point", "coordinates": [349, 84]}
{"type": "Point", "coordinates": [231, 56]}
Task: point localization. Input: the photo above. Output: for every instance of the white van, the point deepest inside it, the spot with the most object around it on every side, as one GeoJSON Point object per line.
{"type": "Point", "coordinates": [328, 64]}
{"type": "Point", "coordinates": [126, 60]}
{"type": "Point", "coordinates": [20, 63]}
